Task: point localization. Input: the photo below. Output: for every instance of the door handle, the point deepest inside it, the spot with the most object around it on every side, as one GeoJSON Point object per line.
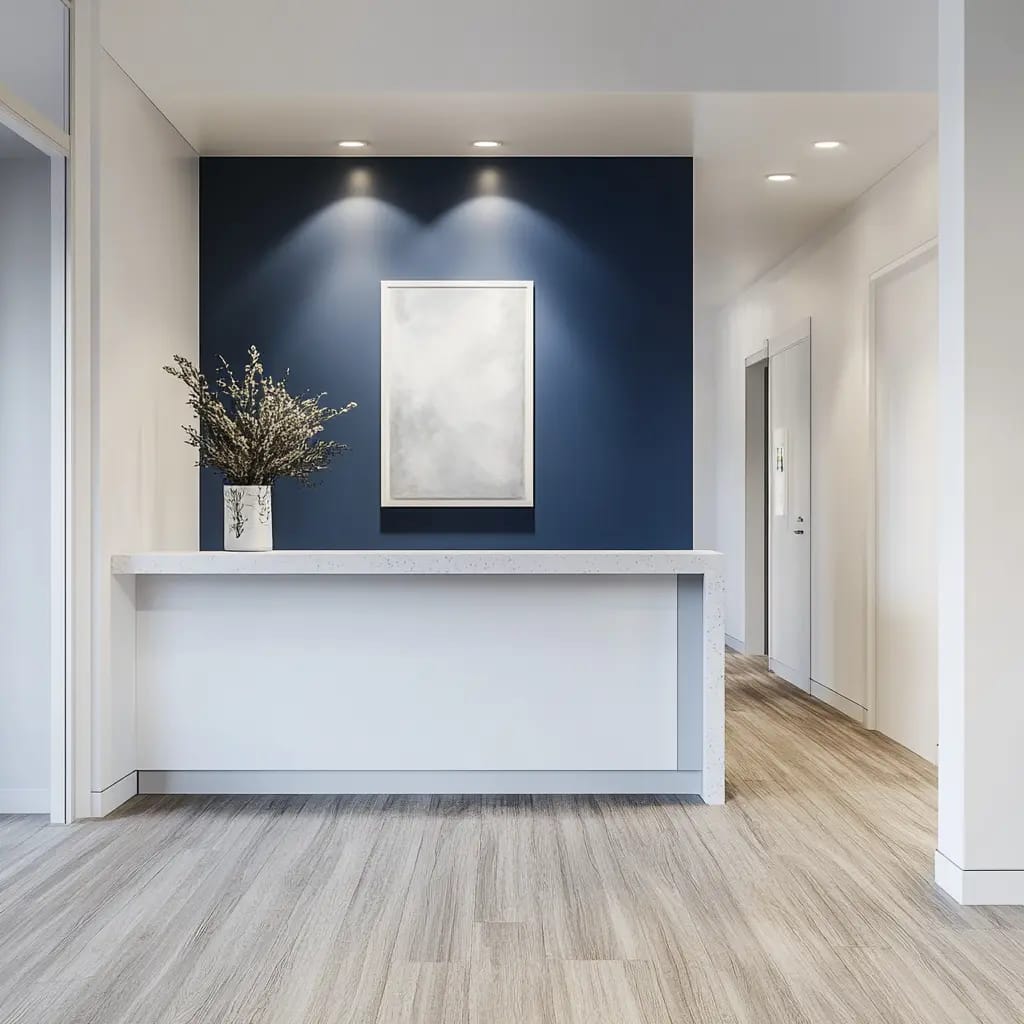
{"type": "Point", "coordinates": [798, 531]}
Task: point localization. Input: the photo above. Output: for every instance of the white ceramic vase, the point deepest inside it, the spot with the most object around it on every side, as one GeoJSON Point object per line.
{"type": "Point", "coordinates": [248, 518]}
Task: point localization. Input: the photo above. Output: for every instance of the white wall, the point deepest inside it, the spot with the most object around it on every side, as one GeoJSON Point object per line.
{"type": "Point", "coordinates": [147, 265]}
{"type": "Point", "coordinates": [704, 449]}
{"type": "Point", "coordinates": [25, 277]}
{"type": "Point", "coordinates": [827, 280]}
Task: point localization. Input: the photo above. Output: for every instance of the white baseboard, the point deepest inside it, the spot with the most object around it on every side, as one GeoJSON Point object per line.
{"type": "Point", "coordinates": [979, 888]}
{"type": "Point", "coordinates": [24, 801]}
{"type": "Point", "coordinates": [848, 707]}
{"type": "Point", "coordinates": [106, 800]}
{"type": "Point", "coordinates": [405, 782]}
{"type": "Point", "coordinates": [791, 675]}
{"type": "Point", "coordinates": [734, 645]}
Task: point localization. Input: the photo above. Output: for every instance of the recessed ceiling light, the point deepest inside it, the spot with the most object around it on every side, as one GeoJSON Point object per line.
{"type": "Point", "coordinates": [352, 144]}
{"type": "Point", "coordinates": [827, 144]}
{"type": "Point", "coordinates": [779, 177]}
{"type": "Point", "coordinates": [487, 144]}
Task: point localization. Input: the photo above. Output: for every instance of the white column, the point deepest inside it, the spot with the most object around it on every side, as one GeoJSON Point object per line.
{"type": "Point", "coordinates": [83, 312]}
{"type": "Point", "coordinates": [980, 856]}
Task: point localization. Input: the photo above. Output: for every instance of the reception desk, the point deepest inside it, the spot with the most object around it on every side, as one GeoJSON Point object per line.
{"type": "Point", "coordinates": [415, 672]}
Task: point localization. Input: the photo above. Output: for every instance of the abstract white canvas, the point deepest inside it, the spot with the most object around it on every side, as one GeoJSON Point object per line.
{"type": "Point", "coordinates": [456, 393]}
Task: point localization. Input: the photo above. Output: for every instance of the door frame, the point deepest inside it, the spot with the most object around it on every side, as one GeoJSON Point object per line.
{"type": "Point", "coordinates": [800, 332]}
{"type": "Point", "coordinates": [71, 557]}
{"type": "Point", "coordinates": [875, 280]}
{"type": "Point", "coordinates": [51, 141]}
{"type": "Point", "coordinates": [755, 502]}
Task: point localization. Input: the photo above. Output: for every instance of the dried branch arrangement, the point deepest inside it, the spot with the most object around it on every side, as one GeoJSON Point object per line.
{"type": "Point", "coordinates": [252, 430]}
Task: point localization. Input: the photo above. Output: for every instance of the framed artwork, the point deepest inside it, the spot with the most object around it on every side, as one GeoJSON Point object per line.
{"type": "Point", "coordinates": [456, 394]}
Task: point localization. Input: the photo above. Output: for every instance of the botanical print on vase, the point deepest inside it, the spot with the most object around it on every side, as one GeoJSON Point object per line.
{"type": "Point", "coordinates": [248, 518]}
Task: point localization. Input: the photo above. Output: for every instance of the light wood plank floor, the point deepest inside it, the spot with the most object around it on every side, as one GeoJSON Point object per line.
{"type": "Point", "coordinates": [806, 900]}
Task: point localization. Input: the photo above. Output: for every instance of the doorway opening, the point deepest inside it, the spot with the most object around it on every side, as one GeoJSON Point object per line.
{"type": "Point", "coordinates": [33, 770]}
{"type": "Point", "coordinates": [778, 505]}
{"type": "Point", "coordinates": [902, 657]}
{"type": "Point", "coordinates": [756, 491]}
{"type": "Point", "coordinates": [789, 505]}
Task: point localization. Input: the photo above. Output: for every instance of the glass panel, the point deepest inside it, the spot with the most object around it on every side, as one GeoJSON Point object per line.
{"type": "Point", "coordinates": [31, 333]}
{"type": "Point", "coordinates": [34, 55]}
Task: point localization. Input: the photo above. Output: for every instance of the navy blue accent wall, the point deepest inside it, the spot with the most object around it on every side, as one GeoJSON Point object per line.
{"type": "Point", "coordinates": [292, 253]}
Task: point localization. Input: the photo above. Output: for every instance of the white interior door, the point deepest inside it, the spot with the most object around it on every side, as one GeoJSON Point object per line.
{"type": "Point", "coordinates": [906, 574]}
{"type": "Point", "coordinates": [789, 512]}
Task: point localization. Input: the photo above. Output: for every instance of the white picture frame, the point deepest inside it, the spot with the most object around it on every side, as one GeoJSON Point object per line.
{"type": "Point", "coordinates": [480, 454]}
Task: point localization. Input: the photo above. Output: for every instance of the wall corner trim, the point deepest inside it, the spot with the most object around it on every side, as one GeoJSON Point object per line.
{"type": "Point", "coordinates": [979, 888]}
{"type": "Point", "coordinates": [106, 800]}
{"type": "Point", "coordinates": [733, 644]}
{"type": "Point", "coordinates": [839, 701]}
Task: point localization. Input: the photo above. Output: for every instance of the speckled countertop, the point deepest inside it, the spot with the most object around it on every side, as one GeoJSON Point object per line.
{"type": "Point", "coordinates": [216, 563]}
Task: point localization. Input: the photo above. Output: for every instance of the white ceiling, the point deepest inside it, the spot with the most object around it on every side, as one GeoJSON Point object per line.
{"type": "Point", "coordinates": [743, 224]}
{"type": "Point", "coordinates": [257, 77]}
{"type": "Point", "coordinates": [189, 51]}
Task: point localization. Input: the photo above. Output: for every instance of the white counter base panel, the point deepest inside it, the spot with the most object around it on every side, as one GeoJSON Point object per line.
{"type": "Point", "coordinates": [424, 673]}
{"type": "Point", "coordinates": [418, 672]}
